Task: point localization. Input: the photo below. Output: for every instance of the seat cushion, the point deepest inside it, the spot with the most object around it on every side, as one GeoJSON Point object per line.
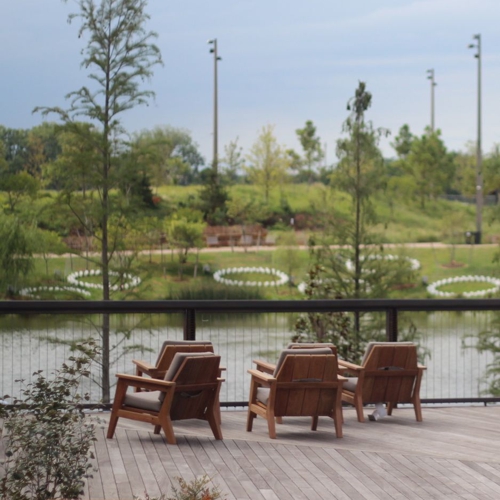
{"type": "Point", "coordinates": [350, 384]}
{"type": "Point", "coordinates": [263, 394]}
{"type": "Point", "coordinates": [144, 400]}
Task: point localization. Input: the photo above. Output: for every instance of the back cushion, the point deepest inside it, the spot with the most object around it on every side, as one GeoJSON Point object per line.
{"type": "Point", "coordinates": [180, 342]}
{"type": "Point", "coordinates": [286, 352]}
{"type": "Point", "coordinates": [370, 345]}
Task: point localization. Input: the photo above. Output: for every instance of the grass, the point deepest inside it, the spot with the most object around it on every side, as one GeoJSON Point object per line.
{"type": "Point", "coordinates": [161, 277]}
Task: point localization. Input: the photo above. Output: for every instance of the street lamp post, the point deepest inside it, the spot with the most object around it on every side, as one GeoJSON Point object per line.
{"type": "Point", "coordinates": [213, 51]}
{"type": "Point", "coordinates": [430, 76]}
{"type": "Point", "coordinates": [479, 172]}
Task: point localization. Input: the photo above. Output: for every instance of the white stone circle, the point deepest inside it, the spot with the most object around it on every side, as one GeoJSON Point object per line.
{"type": "Point", "coordinates": [219, 276]}
{"type": "Point", "coordinates": [433, 287]}
{"type": "Point", "coordinates": [32, 291]}
{"type": "Point", "coordinates": [73, 278]}
{"type": "Point", "coordinates": [414, 263]}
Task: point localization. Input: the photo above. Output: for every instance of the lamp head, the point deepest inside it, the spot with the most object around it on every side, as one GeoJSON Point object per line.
{"type": "Point", "coordinates": [210, 41]}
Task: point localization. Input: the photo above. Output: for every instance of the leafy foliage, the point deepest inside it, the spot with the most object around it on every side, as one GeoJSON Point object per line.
{"type": "Point", "coordinates": [488, 341]}
{"type": "Point", "coordinates": [47, 438]}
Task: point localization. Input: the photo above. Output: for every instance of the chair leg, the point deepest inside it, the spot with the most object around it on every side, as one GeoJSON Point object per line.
{"type": "Point", "coordinates": [157, 429]}
{"type": "Point", "coordinates": [271, 424]}
{"type": "Point", "coordinates": [314, 423]}
{"type": "Point", "coordinates": [389, 407]}
{"type": "Point", "coordinates": [338, 420]}
{"type": "Point", "coordinates": [358, 403]}
{"type": "Point", "coordinates": [250, 416]}
{"type": "Point", "coordinates": [215, 424]}
{"type": "Point", "coordinates": [168, 430]}
{"type": "Point", "coordinates": [279, 420]}
{"type": "Point", "coordinates": [113, 420]}
{"type": "Point", "coordinates": [418, 408]}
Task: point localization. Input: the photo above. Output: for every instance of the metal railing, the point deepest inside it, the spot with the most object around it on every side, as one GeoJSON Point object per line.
{"type": "Point", "coordinates": [37, 335]}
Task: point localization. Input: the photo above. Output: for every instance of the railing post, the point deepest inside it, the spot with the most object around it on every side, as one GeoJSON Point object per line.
{"type": "Point", "coordinates": [391, 325]}
{"type": "Point", "coordinates": [189, 324]}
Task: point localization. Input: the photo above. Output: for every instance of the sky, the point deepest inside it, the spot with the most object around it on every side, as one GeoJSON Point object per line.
{"type": "Point", "coordinates": [283, 62]}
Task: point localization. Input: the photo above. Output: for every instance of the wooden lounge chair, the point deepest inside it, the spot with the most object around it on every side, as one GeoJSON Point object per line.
{"type": "Point", "coordinates": [304, 383]}
{"type": "Point", "coordinates": [389, 373]}
{"type": "Point", "coordinates": [190, 390]}
{"type": "Point", "coordinates": [167, 352]}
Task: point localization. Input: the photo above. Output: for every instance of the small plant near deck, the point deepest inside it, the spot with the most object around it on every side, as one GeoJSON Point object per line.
{"type": "Point", "coordinates": [197, 489]}
{"type": "Point", "coordinates": [46, 438]}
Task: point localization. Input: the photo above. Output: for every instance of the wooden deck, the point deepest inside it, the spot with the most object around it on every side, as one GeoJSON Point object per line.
{"type": "Point", "coordinates": [453, 454]}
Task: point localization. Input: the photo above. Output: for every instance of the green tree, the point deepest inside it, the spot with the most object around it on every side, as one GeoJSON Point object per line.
{"type": "Point", "coordinates": [49, 242]}
{"type": "Point", "coordinates": [16, 252]}
{"type": "Point", "coordinates": [430, 165]}
{"type": "Point", "coordinates": [120, 55]}
{"type": "Point", "coordinates": [403, 141]}
{"type": "Point", "coordinates": [168, 155]}
{"type": "Point", "coordinates": [355, 267]}
{"type": "Point", "coordinates": [268, 161]}
{"type": "Point", "coordinates": [184, 233]}
{"type": "Point", "coordinates": [213, 198]}
{"type": "Point", "coordinates": [491, 169]}
{"type": "Point", "coordinates": [232, 163]}
{"type": "Point", "coordinates": [17, 187]}
{"type": "Point", "coordinates": [311, 145]}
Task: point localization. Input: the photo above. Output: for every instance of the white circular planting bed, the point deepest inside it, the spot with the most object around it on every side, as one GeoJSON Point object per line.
{"type": "Point", "coordinates": [220, 276]}
{"type": "Point", "coordinates": [34, 290]}
{"type": "Point", "coordinates": [74, 279]}
{"type": "Point", "coordinates": [433, 287]}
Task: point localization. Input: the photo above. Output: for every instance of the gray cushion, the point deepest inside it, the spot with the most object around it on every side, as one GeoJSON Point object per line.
{"type": "Point", "coordinates": [180, 342]}
{"type": "Point", "coordinates": [144, 400]}
{"type": "Point", "coordinates": [308, 345]}
{"type": "Point", "coordinates": [350, 384]}
{"type": "Point", "coordinates": [286, 352]}
{"type": "Point", "coordinates": [370, 345]}
{"type": "Point", "coordinates": [263, 394]}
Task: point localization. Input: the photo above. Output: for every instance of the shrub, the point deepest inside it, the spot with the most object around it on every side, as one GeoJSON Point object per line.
{"type": "Point", "coordinates": [47, 439]}
{"type": "Point", "coordinates": [193, 490]}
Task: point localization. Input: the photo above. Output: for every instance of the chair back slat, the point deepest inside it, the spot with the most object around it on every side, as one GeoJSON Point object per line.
{"type": "Point", "coordinates": [307, 385]}
{"type": "Point", "coordinates": [390, 373]}
{"type": "Point", "coordinates": [202, 373]}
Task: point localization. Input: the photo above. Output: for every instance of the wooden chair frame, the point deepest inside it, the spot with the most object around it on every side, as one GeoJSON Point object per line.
{"type": "Point", "coordinates": [206, 407]}
{"type": "Point", "coordinates": [381, 382]}
{"type": "Point", "coordinates": [299, 389]}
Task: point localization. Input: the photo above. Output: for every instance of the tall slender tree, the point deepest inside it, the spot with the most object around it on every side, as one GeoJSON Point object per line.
{"type": "Point", "coordinates": [311, 145]}
{"type": "Point", "coordinates": [355, 266]}
{"type": "Point", "coordinates": [120, 54]}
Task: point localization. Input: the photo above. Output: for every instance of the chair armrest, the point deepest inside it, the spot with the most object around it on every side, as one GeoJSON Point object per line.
{"type": "Point", "coordinates": [349, 366]}
{"type": "Point", "coordinates": [263, 377]}
{"type": "Point", "coordinates": [422, 367]}
{"type": "Point", "coordinates": [264, 366]}
{"type": "Point", "coordinates": [143, 364]}
{"type": "Point", "coordinates": [341, 378]}
{"type": "Point", "coordinates": [144, 383]}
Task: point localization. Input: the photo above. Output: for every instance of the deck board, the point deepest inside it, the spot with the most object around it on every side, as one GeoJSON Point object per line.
{"type": "Point", "coordinates": [453, 453]}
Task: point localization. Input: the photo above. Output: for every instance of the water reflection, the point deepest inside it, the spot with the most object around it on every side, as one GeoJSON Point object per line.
{"type": "Point", "coordinates": [43, 342]}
